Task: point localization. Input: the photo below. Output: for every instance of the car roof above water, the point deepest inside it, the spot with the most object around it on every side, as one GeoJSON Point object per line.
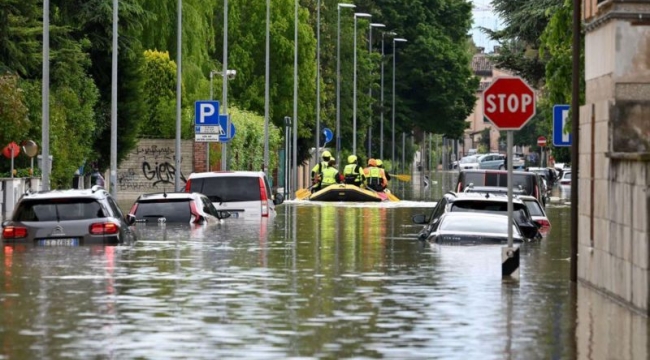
{"type": "Point", "coordinates": [227, 174]}
{"type": "Point", "coordinates": [95, 192]}
{"type": "Point", "coordinates": [169, 195]}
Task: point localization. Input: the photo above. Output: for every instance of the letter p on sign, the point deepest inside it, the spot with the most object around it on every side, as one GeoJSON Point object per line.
{"type": "Point", "coordinates": [206, 110]}
{"type": "Point", "coordinates": [509, 103]}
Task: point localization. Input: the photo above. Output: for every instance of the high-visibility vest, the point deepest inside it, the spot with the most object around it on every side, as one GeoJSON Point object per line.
{"type": "Point", "coordinates": [317, 170]}
{"type": "Point", "coordinates": [352, 174]}
{"type": "Point", "coordinates": [329, 176]}
{"type": "Point", "coordinates": [373, 176]}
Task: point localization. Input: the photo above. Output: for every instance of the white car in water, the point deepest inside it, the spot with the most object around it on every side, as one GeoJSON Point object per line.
{"type": "Point", "coordinates": [468, 162]}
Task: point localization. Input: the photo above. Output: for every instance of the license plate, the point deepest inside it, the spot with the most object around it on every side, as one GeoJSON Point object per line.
{"type": "Point", "coordinates": [234, 215]}
{"type": "Point", "coordinates": [59, 242]}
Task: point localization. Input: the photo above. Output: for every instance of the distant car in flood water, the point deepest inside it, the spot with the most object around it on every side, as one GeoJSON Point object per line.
{"type": "Point", "coordinates": [462, 228]}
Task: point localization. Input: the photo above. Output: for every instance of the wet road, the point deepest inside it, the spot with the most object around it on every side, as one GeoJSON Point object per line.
{"type": "Point", "coordinates": [317, 281]}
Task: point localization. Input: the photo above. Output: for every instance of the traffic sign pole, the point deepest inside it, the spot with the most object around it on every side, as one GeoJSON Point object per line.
{"type": "Point", "coordinates": [509, 103]}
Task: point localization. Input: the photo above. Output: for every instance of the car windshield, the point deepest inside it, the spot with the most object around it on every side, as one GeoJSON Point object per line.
{"type": "Point", "coordinates": [228, 188]}
{"type": "Point", "coordinates": [567, 175]}
{"type": "Point", "coordinates": [489, 225]}
{"type": "Point", "coordinates": [59, 209]}
{"type": "Point", "coordinates": [173, 210]}
{"type": "Point", "coordinates": [534, 208]}
{"type": "Point", "coordinates": [480, 205]}
{"type": "Point", "coordinates": [468, 159]}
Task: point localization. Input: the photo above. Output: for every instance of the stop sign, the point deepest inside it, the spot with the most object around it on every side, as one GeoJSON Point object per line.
{"type": "Point", "coordinates": [541, 141]}
{"type": "Point", "coordinates": [509, 103]}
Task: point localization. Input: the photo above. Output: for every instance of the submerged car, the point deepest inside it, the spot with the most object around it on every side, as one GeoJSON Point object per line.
{"type": "Point", "coordinates": [244, 194]}
{"type": "Point", "coordinates": [537, 213]}
{"type": "Point", "coordinates": [458, 228]}
{"type": "Point", "coordinates": [68, 218]}
{"type": "Point", "coordinates": [477, 203]}
{"type": "Point", "coordinates": [175, 207]}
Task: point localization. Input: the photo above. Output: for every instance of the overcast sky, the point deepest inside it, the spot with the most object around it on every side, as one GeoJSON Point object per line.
{"type": "Point", "coordinates": [484, 17]}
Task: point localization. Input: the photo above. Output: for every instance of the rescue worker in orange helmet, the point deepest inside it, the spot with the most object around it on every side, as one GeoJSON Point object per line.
{"type": "Point", "coordinates": [380, 164]}
{"type": "Point", "coordinates": [375, 177]}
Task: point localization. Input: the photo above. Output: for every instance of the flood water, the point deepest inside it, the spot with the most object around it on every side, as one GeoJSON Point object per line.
{"type": "Point", "coordinates": [320, 280]}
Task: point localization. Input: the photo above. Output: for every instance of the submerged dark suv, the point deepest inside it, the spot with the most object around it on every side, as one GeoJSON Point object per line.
{"type": "Point", "coordinates": [524, 182]}
{"type": "Point", "coordinates": [68, 218]}
{"type": "Point", "coordinates": [477, 202]}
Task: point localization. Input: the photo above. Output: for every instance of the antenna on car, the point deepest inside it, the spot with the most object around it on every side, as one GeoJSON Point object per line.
{"type": "Point", "coordinates": [95, 188]}
{"type": "Point", "coordinates": [164, 193]}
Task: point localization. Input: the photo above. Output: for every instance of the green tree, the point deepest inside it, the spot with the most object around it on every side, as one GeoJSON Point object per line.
{"type": "Point", "coordinates": [556, 44]}
{"type": "Point", "coordinates": [524, 22]}
{"type": "Point", "coordinates": [160, 97]}
{"type": "Point", "coordinates": [250, 135]}
{"type": "Point", "coordinates": [92, 20]}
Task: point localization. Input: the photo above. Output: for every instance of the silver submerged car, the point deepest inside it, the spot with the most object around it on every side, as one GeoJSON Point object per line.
{"type": "Point", "coordinates": [459, 228]}
{"type": "Point", "coordinates": [68, 218]}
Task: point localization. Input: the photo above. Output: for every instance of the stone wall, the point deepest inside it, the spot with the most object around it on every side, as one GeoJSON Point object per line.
{"type": "Point", "coordinates": [150, 167]}
{"type": "Point", "coordinates": [614, 174]}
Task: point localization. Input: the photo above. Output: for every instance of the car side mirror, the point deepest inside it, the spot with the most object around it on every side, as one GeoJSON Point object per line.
{"type": "Point", "coordinates": [5, 223]}
{"type": "Point", "coordinates": [223, 215]}
{"type": "Point", "coordinates": [130, 219]}
{"type": "Point", "coordinates": [419, 219]}
{"type": "Point", "coordinates": [278, 199]}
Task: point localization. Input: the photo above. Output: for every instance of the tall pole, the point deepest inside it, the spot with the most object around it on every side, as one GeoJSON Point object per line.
{"type": "Point", "coordinates": [295, 95]}
{"type": "Point", "coordinates": [393, 112]}
{"type": "Point", "coordinates": [207, 144]}
{"type": "Point", "coordinates": [113, 175]}
{"type": "Point", "coordinates": [575, 130]}
{"type": "Point", "coordinates": [224, 75]}
{"type": "Point", "coordinates": [510, 206]}
{"type": "Point", "coordinates": [394, 57]}
{"type": "Point", "coordinates": [354, 85]}
{"type": "Point", "coordinates": [179, 50]}
{"type": "Point", "coordinates": [381, 123]}
{"type": "Point", "coordinates": [45, 132]}
{"type": "Point", "coordinates": [317, 133]}
{"type": "Point", "coordinates": [338, 83]}
{"type": "Point", "coordinates": [266, 88]}
{"type": "Point", "coordinates": [338, 77]}
{"type": "Point", "coordinates": [370, 87]}
{"type": "Point", "coordinates": [354, 90]}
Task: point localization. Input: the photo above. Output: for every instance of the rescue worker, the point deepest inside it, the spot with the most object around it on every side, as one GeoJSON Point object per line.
{"type": "Point", "coordinates": [380, 164]}
{"type": "Point", "coordinates": [353, 173]}
{"type": "Point", "coordinates": [330, 176]}
{"type": "Point", "coordinates": [317, 171]}
{"type": "Point", "coordinates": [375, 177]}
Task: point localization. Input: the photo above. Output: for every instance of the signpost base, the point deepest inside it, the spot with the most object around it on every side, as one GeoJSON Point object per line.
{"type": "Point", "coordinates": [510, 262]}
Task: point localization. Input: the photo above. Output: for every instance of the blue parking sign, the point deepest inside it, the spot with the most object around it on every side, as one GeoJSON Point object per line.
{"type": "Point", "coordinates": [206, 113]}
{"type": "Point", "coordinates": [560, 117]}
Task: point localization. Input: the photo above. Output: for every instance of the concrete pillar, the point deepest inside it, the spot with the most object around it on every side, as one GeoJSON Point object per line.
{"type": "Point", "coordinates": [614, 178]}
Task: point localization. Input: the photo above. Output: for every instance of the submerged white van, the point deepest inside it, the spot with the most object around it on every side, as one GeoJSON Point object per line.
{"type": "Point", "coordinates": [244, 194]}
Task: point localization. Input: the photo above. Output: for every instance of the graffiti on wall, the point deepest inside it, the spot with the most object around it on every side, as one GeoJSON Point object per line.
{"type": "Point", "coordinates": [149, 167]}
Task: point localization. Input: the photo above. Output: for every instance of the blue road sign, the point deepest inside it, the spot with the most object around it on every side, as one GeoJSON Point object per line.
{"type": "Point", "coordinates": [209, 124]}
{"type": "Point", "coordinates": [329, 135]}
{"type": "Point", "coordinates": [560, 117]}
{"type": "Point", "coordinates": [206, 112]}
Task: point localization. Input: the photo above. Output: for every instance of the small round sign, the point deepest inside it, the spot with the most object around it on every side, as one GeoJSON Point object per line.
{"type": "Point", "coordinates": [30, 148]}
{"type": "Point", "coordinates": [541, 141]}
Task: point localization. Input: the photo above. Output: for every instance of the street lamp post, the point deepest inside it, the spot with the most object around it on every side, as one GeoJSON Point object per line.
{"type": "Point", "coordinates": [224, 145]}
{"type": "Point", "coordinates": [266, 88]}
{"type": "Point", "coordinates": [354, 85]}
{"type": "Point", "coordinates": [179, 50]}
{"type": "Point", "coordinates": [393, 139]}
{"type": "Point", "coordinates": [381, 123]}
{"type": "Point", "coordinates": [317, 132]}
{"type": "Point", "coordinates": [372, 25]}
{"type": "Point", "coordinates": [295, 95]}
{"type": "Point", "coordinates": [338, 77]}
